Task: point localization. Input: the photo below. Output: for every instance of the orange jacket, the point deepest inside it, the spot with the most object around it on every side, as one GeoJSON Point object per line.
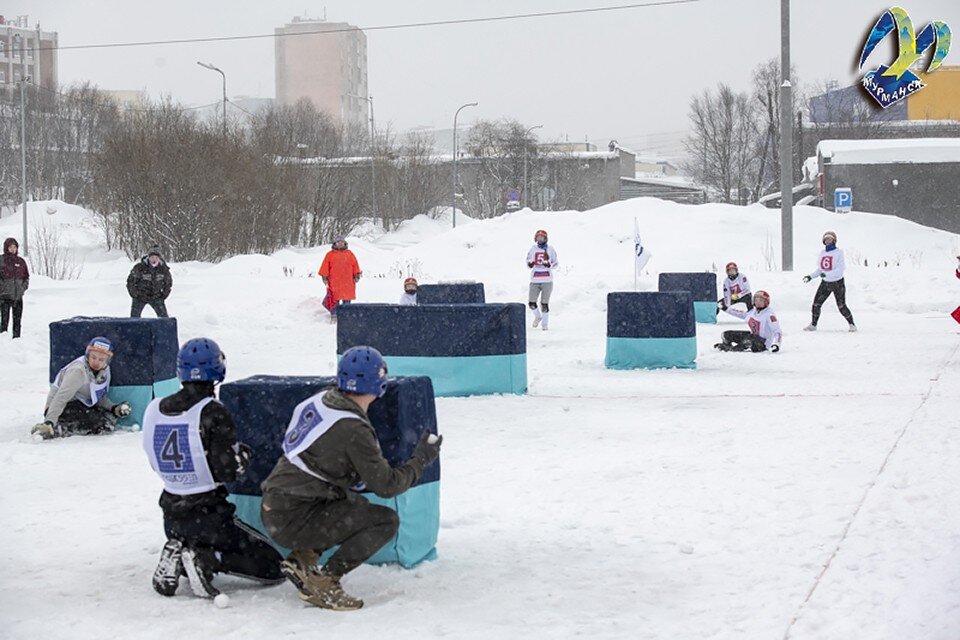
{"type": "Point", "coordinates": [342, 269]}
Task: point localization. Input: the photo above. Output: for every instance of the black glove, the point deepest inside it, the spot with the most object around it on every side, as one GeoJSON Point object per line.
{"type": "Point", "coordinates": [546, 263]}
{"type": "Point", "coordinates": [427, 452]}
{"type": "Point", "coordinates": [530, 264]}
{"type": "Point", "coordinates": [722, 304]}
{"type": "Point", "coordinates": [775, 348]}
{"type": "Point", "coordinates": [244, 454]}
{"type": "Point", "coordinates": [806, 278]}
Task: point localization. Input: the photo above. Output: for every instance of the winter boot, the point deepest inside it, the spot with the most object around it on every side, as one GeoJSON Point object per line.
{"type": "Point", "coordinates": [537, 318]}
{"type": "Point", "coordinates": [810, 327]}
{"type": "Point", "coordinates": [722, 346]}
{"type": "Point", "coordinates": [198, 565]}
{"type": "Point", "coordinates": [166, 577]}
{"type": "Point", "coordinates": [299, 567]}
{"type": "Point", "coordinates": [327, 593]}
{"type": "Point", "coordinates": [853, 328]}
{"type": "Point", "coordinates": [545, 323]}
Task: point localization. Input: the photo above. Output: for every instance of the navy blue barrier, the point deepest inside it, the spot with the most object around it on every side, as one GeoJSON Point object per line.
{"type": "Point", "coordinates": [466, 349]}
{"type": "Point", "coordinates": [451, 293]}
{"type": "Point", "coordinates": [651, 330]}
{"type": "Point", "coordinates": [262, 407]}
{"type": "Point", "coordinates": [144, 364]}
{"type": "Point", "coordinates": [702, 287]}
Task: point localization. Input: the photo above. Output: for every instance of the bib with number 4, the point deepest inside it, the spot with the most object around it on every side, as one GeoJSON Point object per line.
{"type": "Point", "coordinates": [175, 449]}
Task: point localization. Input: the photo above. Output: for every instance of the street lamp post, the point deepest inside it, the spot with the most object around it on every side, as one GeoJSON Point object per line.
{"type": "Point", "coordinates": [373, 153]}
{"type": "Point", "coordinates": [207, 65]}
{"type": "Point", "coordinates": [464, 106]}
{"type": "Point", "coordinates": [23, 158]}
{"type": "Point", "coordinates": [526, 133]}
{"type": "Point", "coordinates": [786, 141]}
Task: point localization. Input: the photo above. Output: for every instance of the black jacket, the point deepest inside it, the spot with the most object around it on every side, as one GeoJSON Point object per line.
{"type": "Point", "coordinates": [149, 284]}
{"type": "Point", "coordinates": [223, 452]}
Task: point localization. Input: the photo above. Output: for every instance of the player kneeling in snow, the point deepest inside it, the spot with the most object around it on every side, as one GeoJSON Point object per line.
{"type": "Point", "coordinates": [311, 500]}
{"type": "Point", "coordinates": [736, 288]}
{"type": "Point", "coordinates": [409, 296]}
{"type": "Point", "coordinates": [764, 331]}
{"type": "Point", "coordinates": [190, 441]}
{"type": "Point", "coordinates": [78, 402]}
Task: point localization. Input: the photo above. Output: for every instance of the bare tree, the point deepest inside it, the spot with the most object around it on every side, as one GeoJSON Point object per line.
{"type": "Point", "coordinates": [499, 148]}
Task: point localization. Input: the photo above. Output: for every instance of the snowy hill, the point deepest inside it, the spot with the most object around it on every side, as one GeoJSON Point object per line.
{"type": "Point", "coordinates": [667, 504]}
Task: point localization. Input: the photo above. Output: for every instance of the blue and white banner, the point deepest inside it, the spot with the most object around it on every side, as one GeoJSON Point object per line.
{"type": "Point", "coordinates": [641, 255]}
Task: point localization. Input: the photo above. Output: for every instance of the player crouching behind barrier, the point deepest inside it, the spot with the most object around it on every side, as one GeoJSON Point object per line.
{"type": "Point", "coordinates": [311, 500]}
{"type": "Point", "coordinates": [78, 401]}
{"type": "Point", "coordinates": [764, 333]}
{"type": "Point", "coordinates": [190, 441]}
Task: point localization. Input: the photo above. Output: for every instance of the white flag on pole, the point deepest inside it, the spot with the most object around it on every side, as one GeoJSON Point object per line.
{"type": "Point", "coordinates": [641, 255]}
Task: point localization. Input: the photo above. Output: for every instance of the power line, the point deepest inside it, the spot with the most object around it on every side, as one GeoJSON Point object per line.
{"type": "Point", "coordinates": [386, 27]}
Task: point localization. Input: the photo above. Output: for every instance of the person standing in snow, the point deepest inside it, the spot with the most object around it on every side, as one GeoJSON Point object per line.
{"type": "Point", "coordinates": [830, 268]}
{"type": "Point", "coordinates": [191, 443]}
{"type": "Point", "coordinates": [764, 333]}
{"type": "Point", "coordinates": [409, 296]}
{"type": "Point", "coordinates": [311, 500]}
{"type": "Point", "coordinates": [150, 283]}
{"type": "Point", "coordinates": [736, 288]}
{"type": "Point", "coordinates": [78, 401]}
{"type": "Point", "coordinates": [341, 273]}
{"type": "Point", "coordinates": [14, 282]}
{"type": "Point", "coordinates": [542, 260]}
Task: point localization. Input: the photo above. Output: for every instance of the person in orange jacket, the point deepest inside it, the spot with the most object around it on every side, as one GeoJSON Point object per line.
{"type": "Point", "coordinates": [340, 272]}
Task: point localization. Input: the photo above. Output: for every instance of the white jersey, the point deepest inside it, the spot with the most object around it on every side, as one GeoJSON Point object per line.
{"type": "Point", "coordinates": [762, 322]}
{"type": "Point", "coordinates": [98, 384]}
{"type": "Point", "coordinates": [831, 265]}
{"type": "Point", "coordinates": [734, 290]}
{"type": "Point", "coordinates": [544, 261]}
{"type": "Point", "coordinates": [311, 419]}
{"type": "Point", "coordinates": [175, 449]}
{"type": "Point", "coordinates": [408, 299]}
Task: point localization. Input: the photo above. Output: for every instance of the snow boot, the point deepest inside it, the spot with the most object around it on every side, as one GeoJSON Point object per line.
{"type": "Point", "coordinates": [810, 327]}
{"type": "Point", "coordinates": [722, 346]}
{"type": "Point", "coordinates": [198, 565]}
{"type": "Point", "coordinates": [853, 328]}
{"type": "Point", "coordinates": [166, 577]}
{"type": "Point", "coordinates": [545, 323]}
{"type": "Point", "coordinates": [537, 318]}
{"type": "Point", "coordinates": [298, 567]}
{"type": "Point", "coordinates": [327, 593]}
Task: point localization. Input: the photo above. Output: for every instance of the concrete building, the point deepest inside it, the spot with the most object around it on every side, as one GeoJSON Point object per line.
{"type": "Point", "coordinates": [26, 52]}
{"type": "Point", "coordinates": [326, 63]}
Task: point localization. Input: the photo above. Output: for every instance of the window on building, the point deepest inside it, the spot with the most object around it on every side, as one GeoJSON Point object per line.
{"type": "Point", "coordinates": [29, 48]}
{"type": "Point", "coordinates": [3, 46]}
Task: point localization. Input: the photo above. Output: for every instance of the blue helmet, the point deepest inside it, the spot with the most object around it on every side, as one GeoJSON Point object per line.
{"type": "Point", "coordinates": [102, 345]}
{"type": "Point", "coordinates": [362, 370]}
{"type": "Point", "coordinates": [201, 360]}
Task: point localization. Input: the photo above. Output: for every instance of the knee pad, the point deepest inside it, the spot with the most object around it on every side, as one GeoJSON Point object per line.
{"type": "Point", "coordinates": [533, 306]}
{"type": "Point", "coordinates": [544, 307]}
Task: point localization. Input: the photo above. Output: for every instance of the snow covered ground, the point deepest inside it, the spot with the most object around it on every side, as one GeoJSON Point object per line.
{"type": "Point", "coordinates": [604, 504]}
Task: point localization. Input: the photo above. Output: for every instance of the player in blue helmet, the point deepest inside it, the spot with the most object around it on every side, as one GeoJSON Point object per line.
{"type": "Point", "coordinates": [311, 500]}
{"type": "Point", "coordinates": [190, 440]}
{"type": "Point", "coordinates": [78, 401]}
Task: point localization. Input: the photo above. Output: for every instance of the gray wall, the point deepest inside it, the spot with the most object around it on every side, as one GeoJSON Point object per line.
{"type": "Point", "coordinates": [928, 193]}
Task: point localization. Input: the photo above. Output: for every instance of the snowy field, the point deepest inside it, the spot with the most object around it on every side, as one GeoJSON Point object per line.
{"type": "Point", "coordinates": [704, 503]}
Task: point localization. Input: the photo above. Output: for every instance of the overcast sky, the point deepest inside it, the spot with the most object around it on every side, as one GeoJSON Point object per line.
{"type": "Point", "coordinates": [626, 74]}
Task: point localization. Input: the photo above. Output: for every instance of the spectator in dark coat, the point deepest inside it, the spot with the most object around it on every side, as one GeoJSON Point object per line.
{"type": "Point", "coordinates": [149, 283]}
{"type": "Point", "coordinates": [14, 281]}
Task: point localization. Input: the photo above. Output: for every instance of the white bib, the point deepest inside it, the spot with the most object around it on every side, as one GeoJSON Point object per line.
{"type": "Point", "coordinates": [175, 449]}
{"type": "Point", "coordinates": [97, 389]}
{"type": "Point", "coordinates": [311, 419]}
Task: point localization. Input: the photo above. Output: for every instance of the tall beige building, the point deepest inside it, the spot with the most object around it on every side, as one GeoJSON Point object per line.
{"type": "Point", "coordinates": [27, 51]}
{"type": "Point", "coordinates": [325, 62]}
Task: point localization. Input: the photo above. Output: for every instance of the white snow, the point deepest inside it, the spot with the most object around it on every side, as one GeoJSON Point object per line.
{"type": "Point", "coordinates": [604, 504]}
{"type": "Point", "coordinates": [909, 150]}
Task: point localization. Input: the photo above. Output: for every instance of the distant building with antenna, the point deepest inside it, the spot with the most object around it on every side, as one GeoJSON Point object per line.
{"type": "Point", "coordinates": [326, 63]}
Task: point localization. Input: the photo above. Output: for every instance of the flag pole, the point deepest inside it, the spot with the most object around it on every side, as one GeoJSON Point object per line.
{"type": "Point", "coordinates": [635, 228]}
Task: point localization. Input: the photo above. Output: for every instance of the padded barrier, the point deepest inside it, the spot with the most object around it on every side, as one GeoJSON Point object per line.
{"type": "Point", "coordinates": [466, 349]}
{"type": "Point", "coordinates": [702, 287]}
{"type": "Point", "coordinates": [144, 364]}
{"type": "Point", "coordinates": [471, 293]}
{"type": "Point", "coordinates": [261, 407]}
{"type": "Point", "coordinates": [651, 330]}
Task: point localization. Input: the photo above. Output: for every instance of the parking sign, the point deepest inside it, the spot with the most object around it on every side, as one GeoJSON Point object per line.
{"type": "Point", "coordinates": [843, 200]}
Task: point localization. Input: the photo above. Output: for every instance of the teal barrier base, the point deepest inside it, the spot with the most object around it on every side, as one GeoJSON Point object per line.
{"type": "Point", "coordinates": [651, 353]}
{"type": "Point", "coordinates": [416, 539]}
{"type": "Point", "coordinates": [705, 312]}
{"type": "Point", "coordinates": [467, 375]}
{"type": "Point", "coordinates": [139, 396]}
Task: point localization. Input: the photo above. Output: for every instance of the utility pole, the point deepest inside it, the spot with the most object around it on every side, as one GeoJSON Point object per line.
{"type": "Point", "coordinates": [373, 154]}
{"type": "Point", "coordinates": [526, 133]}
{"type": "Point", "coordinates": [454, 202]}
{"type": "Point", "coordinates": [786, 141]}
{"type": "Point", "coordinates": [23, 158]}
{"type": "Point", "coordinates": [207, 65]}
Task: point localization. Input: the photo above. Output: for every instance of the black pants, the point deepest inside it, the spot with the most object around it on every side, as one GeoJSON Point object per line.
{"type": "Point", "coordinates": [79, 419]}
{"type": "Point", "coordinates": [6, 306]}
{"type": "Point", "coordinates": [743, 341]}
{"type": "Point", "coordinates": [746, 299]}
{"type": "Point", "coordinates": [236, 548]}
{"type": "Point", "coordinates": [159, 307]}
{"type": "Point", "coordinates": [360, 528]}
{"type": "Point", "coordinates": [839, 291]}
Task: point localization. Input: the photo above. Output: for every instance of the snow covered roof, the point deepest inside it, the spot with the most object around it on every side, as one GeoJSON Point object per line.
{"type": "Point", "coordinates": [908, 150]}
